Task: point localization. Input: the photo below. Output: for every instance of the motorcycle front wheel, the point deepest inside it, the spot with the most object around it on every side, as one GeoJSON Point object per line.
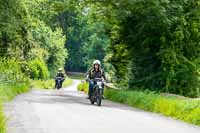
{"type": "Point", "coordinates": [99, 97]}
{"type": "Point", "coordinates": [92, 100]}
{"type": "Point", "coordinates": [58, 86]}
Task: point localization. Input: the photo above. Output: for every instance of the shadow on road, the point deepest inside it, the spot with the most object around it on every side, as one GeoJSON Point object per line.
{"type": "Point", "coordinates": [72, 97]}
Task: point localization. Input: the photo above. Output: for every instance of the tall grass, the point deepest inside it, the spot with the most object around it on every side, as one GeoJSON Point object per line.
{"type": "Point", "coordinates": [2, 120]}
{"type": "Point", "coordinates": [184, 109]}
{"type": "Point", "coordinates": [187, 110]}
{"type": "Point", "coordinates": [7, 92]}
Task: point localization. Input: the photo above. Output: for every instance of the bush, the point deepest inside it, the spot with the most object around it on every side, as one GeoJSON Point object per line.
{"type": "Point", "coordinates": [38, 69]}
{"type": "Point", "coordinates": [83, 87]}
{"type": "Point", "coordinates": [10, 71]}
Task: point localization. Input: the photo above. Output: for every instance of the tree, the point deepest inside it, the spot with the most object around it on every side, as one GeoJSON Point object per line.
{"type": "Point", "coordinates": [154, 44]}
{"type": "Point", "coordinates": [14, 29]}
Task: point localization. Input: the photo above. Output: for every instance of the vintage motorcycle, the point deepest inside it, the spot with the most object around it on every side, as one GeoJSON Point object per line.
{"type": "Point", "coordinates": [97, 93]}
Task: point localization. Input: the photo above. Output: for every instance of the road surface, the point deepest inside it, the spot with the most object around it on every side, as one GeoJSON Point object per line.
{"type": "Point", "coordinates": [68, 111]}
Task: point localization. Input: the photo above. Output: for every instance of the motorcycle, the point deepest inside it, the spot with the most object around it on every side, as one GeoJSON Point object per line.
{"type": "Point", "coordinates": [59, 80]}
{"type": "Point", "coordinates": [97, 93]}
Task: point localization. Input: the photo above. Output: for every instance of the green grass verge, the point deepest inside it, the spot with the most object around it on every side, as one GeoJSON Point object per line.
{"type": "Point", "coordinates": [83, 87]}
{"type": "Point", "coordinates": [7, 92]}
{"type": "Point", "coordinates": [187, 110]}
{"type": "Point", "coordinates": [49, 84]}
{"type": "Point", "coordinates": [2, 121]}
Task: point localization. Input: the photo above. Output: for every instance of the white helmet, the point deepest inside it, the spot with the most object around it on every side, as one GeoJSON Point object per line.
{"type": "Point", "coordinates": [97, 62]}
{"type": "Point", "coordinates": [60, 69]}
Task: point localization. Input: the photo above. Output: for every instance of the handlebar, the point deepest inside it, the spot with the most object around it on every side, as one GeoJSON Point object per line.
{"type": "Point", "coordinates": [97, 79]}
{"type": "Point", "coordinates": [59, 78]}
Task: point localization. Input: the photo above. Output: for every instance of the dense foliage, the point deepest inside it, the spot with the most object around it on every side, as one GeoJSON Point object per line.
{"type": "Point", "coordinates": [150, 44]}
{"type": "Point", "coordinates": [162, 44]}
{"type": "Point", "coordinates": [26, 36]}
{"type": "Point", "coordinates": [29, 47]}
{"type": "Point", "coordinates": [160, 40]}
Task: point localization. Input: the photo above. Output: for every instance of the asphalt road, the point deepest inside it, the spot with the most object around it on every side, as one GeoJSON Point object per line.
{"type": "Point", "coordinates": [68, 111]}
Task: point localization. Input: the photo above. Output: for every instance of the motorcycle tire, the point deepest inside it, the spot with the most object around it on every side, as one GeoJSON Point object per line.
{"type": "Point", "coordinates": [99, 98]}
{"type": "Point", "coordinates": [92, 100]}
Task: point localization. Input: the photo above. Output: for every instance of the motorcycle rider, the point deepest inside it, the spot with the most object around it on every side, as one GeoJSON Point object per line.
{"type": "Point", "coordinates": [58, 75]}
{"type": "Point", "coordinates": [95, 72]}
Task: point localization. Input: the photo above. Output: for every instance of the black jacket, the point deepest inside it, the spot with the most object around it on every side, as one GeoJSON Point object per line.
{"type": "Point", "coordinates": [59, 74]}
{"type": "Point", "coordinates": [92, 73]}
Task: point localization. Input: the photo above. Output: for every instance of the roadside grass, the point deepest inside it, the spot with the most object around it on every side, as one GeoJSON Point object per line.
{"type": "Point", "coordinates": [185, 109]}
{"type": "Point", "coordinates": [83, 87]}
{"type": "Point", "coordinates": [7, 92]}
{"type": "Point", "coordinates": [48, 84]}
{"type": "Point", "coordinates": [2, 120]}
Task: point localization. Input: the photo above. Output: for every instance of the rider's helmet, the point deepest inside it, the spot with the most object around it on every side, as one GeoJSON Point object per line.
{"type": "Point", "coordinates": [60, 70]}
{"type": "Point", "coordinates": [97, 62]}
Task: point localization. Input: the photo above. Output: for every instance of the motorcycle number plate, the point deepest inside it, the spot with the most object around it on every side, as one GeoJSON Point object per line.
{"type": "Point", "coordinates": [99, 84]}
